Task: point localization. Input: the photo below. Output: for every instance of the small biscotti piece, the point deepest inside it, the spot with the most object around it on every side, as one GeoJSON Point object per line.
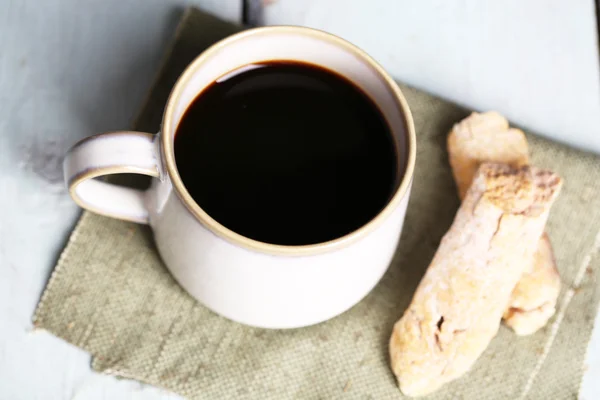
{"type": "Point", "coordinates": [459, 303]}
{"type": "Point", "coordinates": [482, 138]}
{"type": "Point", "coordinates": [486, 137]}
{"type": "Point", "coordinates": [533, 301]}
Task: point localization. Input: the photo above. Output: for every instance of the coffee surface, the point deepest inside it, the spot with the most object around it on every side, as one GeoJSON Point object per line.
{"type": "Point", "coordinates": [286, 153]}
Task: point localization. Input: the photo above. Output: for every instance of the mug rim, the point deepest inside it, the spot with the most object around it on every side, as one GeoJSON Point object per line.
{"type": "Point", "coordinates": [269, 248]}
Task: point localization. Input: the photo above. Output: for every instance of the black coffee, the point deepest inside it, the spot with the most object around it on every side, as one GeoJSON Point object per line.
{"type": "Point", "coordinates": [287, 153]}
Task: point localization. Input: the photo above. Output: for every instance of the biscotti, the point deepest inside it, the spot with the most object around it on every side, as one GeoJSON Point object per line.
{"type": "Point", "coordinates": [486, 137]}
{"type": "Point", "coordinates": [533, 301]}
{"type": "Point", "coordinates": [457, 307]}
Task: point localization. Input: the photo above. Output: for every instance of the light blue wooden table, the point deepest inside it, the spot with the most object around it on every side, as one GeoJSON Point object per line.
{"type": "Point", "coordinates": [69, 69]}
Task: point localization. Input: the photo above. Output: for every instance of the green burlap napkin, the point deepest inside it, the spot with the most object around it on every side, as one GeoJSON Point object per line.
{"type": "Point", "coordinates": [111, 295]}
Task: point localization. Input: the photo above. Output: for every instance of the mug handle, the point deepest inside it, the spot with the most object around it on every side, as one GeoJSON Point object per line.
{"type": "Point", "coordinates": [106, 154]}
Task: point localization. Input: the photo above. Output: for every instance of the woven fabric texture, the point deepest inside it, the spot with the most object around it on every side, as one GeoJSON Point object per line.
{"type": "Point", "coordinates": [111, 295]}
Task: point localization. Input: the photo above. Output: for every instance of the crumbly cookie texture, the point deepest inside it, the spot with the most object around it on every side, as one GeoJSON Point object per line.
{"type": "Point", "coordinates": [486, 137]}
{"type": "Point", "coordinates": [459, 303]}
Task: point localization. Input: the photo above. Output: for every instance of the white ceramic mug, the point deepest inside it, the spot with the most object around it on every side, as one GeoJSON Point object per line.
{"type": "Point", "coordinates": [255, 283]}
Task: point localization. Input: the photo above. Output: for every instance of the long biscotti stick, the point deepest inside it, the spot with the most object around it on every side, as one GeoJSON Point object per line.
{"type": "Point", "coordinates": [458, 305]}
{"type": "Point", "coordinates": [487, 137]}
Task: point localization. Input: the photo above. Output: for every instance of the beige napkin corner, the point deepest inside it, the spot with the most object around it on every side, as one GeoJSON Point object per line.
{"type": "Point", "coordinates": [111, 295]}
